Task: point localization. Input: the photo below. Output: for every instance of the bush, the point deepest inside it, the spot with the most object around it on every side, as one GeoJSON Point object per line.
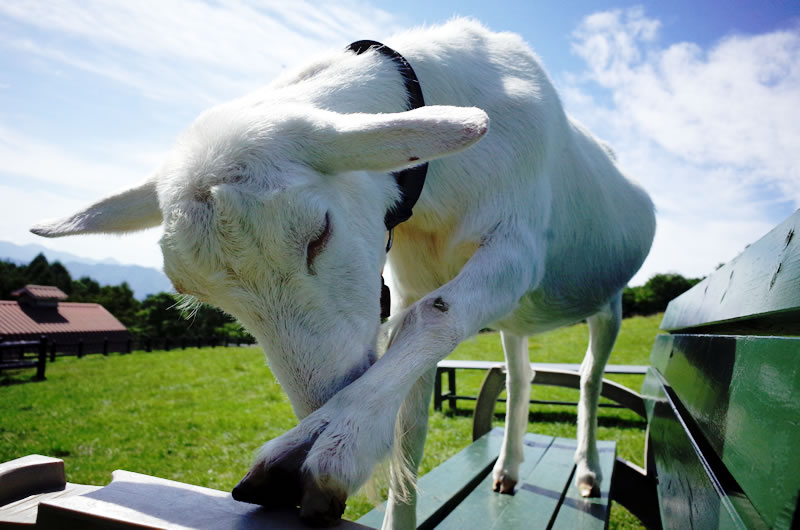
{"type": "Point", "coordinates": [653, 296]}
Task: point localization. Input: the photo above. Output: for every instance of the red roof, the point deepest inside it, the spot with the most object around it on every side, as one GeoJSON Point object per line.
{"type": "Point", "coordinates": [67, 317]}
{"type": "Point", "coordinates": [46, 292]}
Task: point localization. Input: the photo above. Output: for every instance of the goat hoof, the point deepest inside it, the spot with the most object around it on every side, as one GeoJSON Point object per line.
{"type": "Point", "coordinates": [276, 489]}
{"type": "Point", "coordinates": [504, 485]}
{"type": "Point", "coordinates": [277, 485]}
{"type": "Point", "coordinates": [589, 490]}
{"type": "Point", "coordinates": [322, 507]}
{"type": "Point", "coordinates": [588, 485]}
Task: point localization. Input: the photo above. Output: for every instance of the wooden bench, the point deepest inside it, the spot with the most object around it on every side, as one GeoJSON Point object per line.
{"type": "Point", "coordinates": [458, 493]}
{"type": "Point", "coordinates": [15, 355]}
{"type": "Point", "coordinates": [449, 367]}
{"type": "Point", "coordinates": [723, 393]}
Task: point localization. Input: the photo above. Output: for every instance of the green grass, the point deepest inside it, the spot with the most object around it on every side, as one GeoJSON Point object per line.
{"type": "Point", "coordinates": [199, 415]}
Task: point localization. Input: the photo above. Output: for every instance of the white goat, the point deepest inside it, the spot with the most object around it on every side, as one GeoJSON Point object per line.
{"type": "Point", "coordinates": [273, 209]}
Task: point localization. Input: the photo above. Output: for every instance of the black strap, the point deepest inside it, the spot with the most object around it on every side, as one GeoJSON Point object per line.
{"type": "Point", "coordinates": [410, 181]}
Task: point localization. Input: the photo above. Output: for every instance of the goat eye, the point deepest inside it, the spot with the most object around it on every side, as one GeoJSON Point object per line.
{"type": "Point", "coordinates": [317, 244]}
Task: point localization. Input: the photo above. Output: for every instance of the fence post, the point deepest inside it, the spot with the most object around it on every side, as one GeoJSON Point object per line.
{"type": "Point", "coordinates": [80, 348]}
{"type": "Point", "coordinates": [40, 366]}
{"type": "Point", "coordinates": [147, 345]}
{"type": "Point", "coordinates": [53, 351]}
{"type": "Point", "coordinates": [183, 343]}
{"type": "Point", "coordinates": [166, 344]}
{"type": "Point", "coordinates": [129, 345]}
{"type": "Point", "coordinates": [105, 346]}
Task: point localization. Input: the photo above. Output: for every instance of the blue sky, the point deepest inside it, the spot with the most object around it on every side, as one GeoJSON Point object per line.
{"type": "Point", "coordinates": [700, 100]}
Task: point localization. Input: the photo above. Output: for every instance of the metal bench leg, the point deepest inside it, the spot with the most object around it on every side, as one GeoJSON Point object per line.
{"type": "Point", "coordinates": [493, 385]}
{"type": "Point", "coordinates": [437, 390]}
{"type": "Point", "coordinates": [451, 385]}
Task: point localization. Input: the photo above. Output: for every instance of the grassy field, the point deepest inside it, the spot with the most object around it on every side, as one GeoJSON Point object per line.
{"type": "Point", "coordinates": [199, 415]}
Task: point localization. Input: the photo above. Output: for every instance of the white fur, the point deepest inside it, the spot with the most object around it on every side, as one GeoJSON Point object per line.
{"type": "Point", "coordinates": [532, 228]}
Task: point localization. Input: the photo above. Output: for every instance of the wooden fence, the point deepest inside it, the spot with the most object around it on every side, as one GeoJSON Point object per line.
{"type": "Point", "coordinates": [34, 353]}
{"type": "Point", "coordinates": [147, 344]}
{"type": "Point", "coordinates": [24, 354]}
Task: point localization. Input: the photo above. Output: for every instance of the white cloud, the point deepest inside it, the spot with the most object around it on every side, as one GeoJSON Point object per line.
{"type": "Point", "coordinates": [25, 158]}
{"type": "Point", "coordinates": [182, 49]}
{"type": "Point", "coordinates": [712, 134]}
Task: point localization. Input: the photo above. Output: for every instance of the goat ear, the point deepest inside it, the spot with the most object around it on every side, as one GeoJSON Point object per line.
{"type": "Point", "coordinates": [389, 142]}
{"type": "Point", "coordinates": [127, 211]}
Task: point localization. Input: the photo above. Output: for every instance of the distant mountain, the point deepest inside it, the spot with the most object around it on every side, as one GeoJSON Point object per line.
{"type": "Point", "coordinates": [142, 280]}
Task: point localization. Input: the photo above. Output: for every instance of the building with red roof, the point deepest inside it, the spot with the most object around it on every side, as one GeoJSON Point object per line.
{"type": "Point", "coordinates": [41, 310]}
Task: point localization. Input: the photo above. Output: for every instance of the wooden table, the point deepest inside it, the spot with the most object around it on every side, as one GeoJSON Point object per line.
{"type": "Point", "coordinates": [34, 494]}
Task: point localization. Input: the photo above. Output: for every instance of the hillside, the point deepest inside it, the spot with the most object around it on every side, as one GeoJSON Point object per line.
{"type": "Point", "coordinates": [142, 280]}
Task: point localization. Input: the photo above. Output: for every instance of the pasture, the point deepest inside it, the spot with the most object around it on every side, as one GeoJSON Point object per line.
{"type": "Point", "coordinates": [199, 415]}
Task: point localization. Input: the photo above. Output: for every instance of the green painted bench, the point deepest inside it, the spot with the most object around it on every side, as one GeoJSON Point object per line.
{"type": "Point", "coordinates": [458, 493]}
{"type": "Point", "coordinates": [723, 393]}
{"type": "Point", "coordinates": [722, 399]}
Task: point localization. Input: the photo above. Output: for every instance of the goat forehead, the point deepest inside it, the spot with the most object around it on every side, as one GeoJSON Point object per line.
{"type": "Point", "coordinates": [233, 142]}
{"type": "Point", "coordinates": [242, 231]}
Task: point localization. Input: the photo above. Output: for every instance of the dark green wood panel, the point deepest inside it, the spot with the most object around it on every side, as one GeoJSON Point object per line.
{"type": "Point", "coordinates": [763, 280]}
{"type": "Point", "coordinates": [578, 512]}
{"type": "Point", "coordinates": [483, 508]}
{"type": "Point", "coordinates": [744, 395]}
{"type": "Point", "coordinates": [441, 485]}
{"type": "Point", "coordinates": [689, 494]}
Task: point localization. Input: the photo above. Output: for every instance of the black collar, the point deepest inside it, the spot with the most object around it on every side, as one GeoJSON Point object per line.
{"type": "Point", "coordinates": [410, 181]}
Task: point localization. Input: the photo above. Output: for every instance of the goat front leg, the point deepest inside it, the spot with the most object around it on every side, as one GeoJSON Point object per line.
{"type": "Point", "coordinates": [603, 329]}
{"type": "Point", "coordinates": [340, 443]}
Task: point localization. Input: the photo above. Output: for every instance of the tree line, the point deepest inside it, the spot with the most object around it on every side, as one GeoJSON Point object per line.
{"type": "Point", "coordinates": [158, 315]}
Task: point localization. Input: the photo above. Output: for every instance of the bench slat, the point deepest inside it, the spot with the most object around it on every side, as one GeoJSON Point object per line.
{"type": "Point", "coordinates": [744, 395]}
{"type": "Point", "coordinates": [483, 507]}
{"type": "Point", "coordinates": [761, 281]}
{"type": "Point", "coordinates": [485, 365]}
{"type": "Point", "coordinates": [444, 486]}
{"type": "Point", "coordinates": [690, 495]}
{"type": "Point", "coordinates": [578, 512]}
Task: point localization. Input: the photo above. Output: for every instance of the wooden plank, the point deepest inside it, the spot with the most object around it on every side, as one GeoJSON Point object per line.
{"type": "Point", "coordinates": [30, 475]}
{"type": "Point", "coordinates": [532, 505]}
{"type": "Point", "coordinates": [24, 511]}
{"type": "Point", "coordinates": [139, 501]}
{"type": "Point", "coordinates": [629, 369]}
{"type": "Point", "coordinates": [578, 512]}
{"type": "Point", "coordinates": [764, 280]}
{"type": "Point", "coordinates": [744, 395]}
{"type": "Point", "coordinates": [444, 486]}
{"type": "Point", "coordinates": [690, 494]}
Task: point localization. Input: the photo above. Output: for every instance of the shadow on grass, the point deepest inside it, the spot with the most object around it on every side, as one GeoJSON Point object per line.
{"type": "Point", "coordinates": [9, 380]}
{"type": "Point", "coordinates": [572, 418]}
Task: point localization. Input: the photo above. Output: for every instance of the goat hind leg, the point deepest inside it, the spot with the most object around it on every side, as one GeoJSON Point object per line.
{"type": "Point", "coordinates": [603, 329]}
{"type": "Point", "coordinates": [409, 441]}
{"type": "Point", "coordinates": [518, 390]}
